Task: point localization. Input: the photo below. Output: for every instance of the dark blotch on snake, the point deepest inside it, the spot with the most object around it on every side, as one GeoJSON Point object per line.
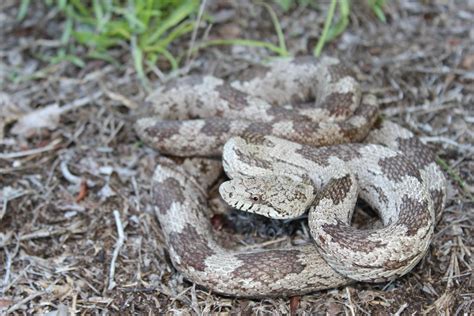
{"type": "Point", "coordinates": [192, 248]}
{"type": "Point", "coordinates": [398, 167]}
{"type": "Point", "coordinates": [168, 192]}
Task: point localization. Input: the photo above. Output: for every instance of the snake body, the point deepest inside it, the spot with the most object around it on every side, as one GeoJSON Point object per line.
{"type": "Point", "coordinates": [307, 120]}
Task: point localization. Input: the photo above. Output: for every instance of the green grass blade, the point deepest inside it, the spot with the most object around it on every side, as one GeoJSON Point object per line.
{"type": "Point", "coordinates": [103, 56]}
{"type": "Point", "coordinates": [279, 31]}
{"type": "Point", "coordinates": [178, 15]}
{"type": "Point", "coordinates": [137, 55]}
{"type": "Point", "coordinates": [69, 58]}
{"type": "Point", "coordinates": [23, 10]}
{"type": "Point", "coordinates": [165, 53]}
{"type": "Point", "coordinates": [94, 40]}
{"type": "Point", "coordinates": [65, 37]}
{"type": "Point", "coordinates": [62, 5]}
{"type": "Point", "coordinates": [378, 11]}
{"type": "Point", "coordinates": [80, 7]}
{"type": "Point", "coordinates": [454, 175]}
{"type": "Point", "coordinates": [180, 30]}
{"type": "Point", "coordinates": [342, 23]}
{"type": "Point", "coordinates": [327, 23]}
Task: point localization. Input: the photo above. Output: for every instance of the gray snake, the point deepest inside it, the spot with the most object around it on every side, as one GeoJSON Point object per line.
{"type": "Point", "coordinates": [307, 121]}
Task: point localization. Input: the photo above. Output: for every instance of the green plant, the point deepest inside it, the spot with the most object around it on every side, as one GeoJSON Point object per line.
{"type": "Point", "coordinates": [281, 49]}
{"type": "Point", "coordinates": [287, 4]}
{"type": "Point", "coordinates": [330, 30]}
{"type": "Point", "coordinates": [148, 26]}
{"type": "Point", "coordinates": [377, 8]}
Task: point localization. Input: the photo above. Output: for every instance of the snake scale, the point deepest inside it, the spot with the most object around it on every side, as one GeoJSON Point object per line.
{"type": "Point", "coordinates": [294, 134]}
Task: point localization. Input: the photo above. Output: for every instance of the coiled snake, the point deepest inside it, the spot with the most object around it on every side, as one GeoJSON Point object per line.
{"type": "Point", "coordinates": [295, 134]}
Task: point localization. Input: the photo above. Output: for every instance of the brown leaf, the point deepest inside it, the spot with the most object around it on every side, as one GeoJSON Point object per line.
{"type": "Point", "coordinates": [294, 303]}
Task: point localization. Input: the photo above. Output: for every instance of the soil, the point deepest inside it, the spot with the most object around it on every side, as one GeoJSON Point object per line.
{"type": "Point", "coordinates": [74, 174]}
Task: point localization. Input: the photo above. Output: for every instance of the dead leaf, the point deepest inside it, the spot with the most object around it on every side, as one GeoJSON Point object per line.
{"type": "Point", "coordinates": [82, 191]}
{"type": "Point", "coordinates": [29, 124]}
{"type": "Point", "coordinates": [294, 303]}
{"type": "Point", "coordinates": [468, 62]}
{"type": "Point", "coordinates": [5, 302]}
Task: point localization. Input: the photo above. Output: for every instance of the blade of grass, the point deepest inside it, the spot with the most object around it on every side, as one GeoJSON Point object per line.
{"type": "Point", "coordinates": [327, 23]}
{"type": "Point", "coordinates": [145, 12]}
{"type": "Point", "coordinates": [377, 8]}
{"type": "Point", "coordinates": [137, 55]}
{"type": "Point", "coordinates": [167, 54]}
{"type": "Point", "coordinates": [103, 56]}
{"type": "Point", "coordinates": [177, 32]}
{"type": "Point", "coordinates": [454, 175]}
{"type": "Point", "coordinates": [178, 15]}
{"type": "Point", "coordinates": [79, 7]}
{"type": "Point", "coordinates": [276, 23]}
{"type": "Point", "coordinates": [342, 23]}
{"type": "Point", "coordinates": [23, 10]}
{"type": "Point", "coordinates": [62, 4]}
{"type": "Point", "coordinates": [69, 58]}
{"type": "Point", "coordinates": [67, 30]}
{"type": "Point", "coordinates": [134, 24]}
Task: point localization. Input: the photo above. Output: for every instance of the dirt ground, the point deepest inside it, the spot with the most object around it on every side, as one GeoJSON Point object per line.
{"type": "Point", "coordinates": [72, 174]}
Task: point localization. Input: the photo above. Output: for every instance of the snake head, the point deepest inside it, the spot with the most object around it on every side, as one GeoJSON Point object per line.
{"type": "Point", "coordinates": [273, 196]}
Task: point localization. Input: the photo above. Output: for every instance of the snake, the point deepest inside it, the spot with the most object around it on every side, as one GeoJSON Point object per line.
{"type": "Point", "coordinates": [295, 135]}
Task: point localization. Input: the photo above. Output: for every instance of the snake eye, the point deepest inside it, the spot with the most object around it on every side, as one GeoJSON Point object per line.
{"type": "Point", "coordinates": [255, 198]}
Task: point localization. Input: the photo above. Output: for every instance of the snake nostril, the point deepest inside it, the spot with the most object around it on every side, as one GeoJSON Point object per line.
{"type": "Point", "coordinates": [231, 195]}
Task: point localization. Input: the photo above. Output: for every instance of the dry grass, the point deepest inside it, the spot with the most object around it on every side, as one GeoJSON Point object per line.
{"type": "Point", "coordinates": [61, 187]}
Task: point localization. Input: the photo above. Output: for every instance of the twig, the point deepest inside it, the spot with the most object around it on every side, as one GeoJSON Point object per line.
{"type": "Point", "coordinates": [401, 309]}
{"type": "Point", "coordinates": [440, 139]}
{"type": "Point", "coordinates": [24, 301]}
{"type": "Point", "coordinates": [441, 71]}
{"type": "Point", "coordinates": [349, 300]}
{"type": "Point", "coordinates": [118, 245]}
{"type": "Point", "coordinates": [68, 175]}
{"type": "Point", "coordinates": [80, 102]}
{"type": "Point", "coordinates": [43, 233]}
{"type": "Point", "coordinates": [9, 194]}
{"type": "Point", "coordinates": [266, 243]}
{"type": "Point", "coordinates": [194, 35]}
{"type": "Point", "coordinates": [31, 152]}
{"type": "Point", "coordinates": [8, 265]}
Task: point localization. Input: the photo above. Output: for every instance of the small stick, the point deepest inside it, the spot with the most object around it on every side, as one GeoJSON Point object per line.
{"type": "Point", "coordinates": [19, 304]}
{"type": "Point", "coordinates": [195, 30]}
{"type": "Point", "coordinates": [31, 152]}
{"type": "Point", "coordinates": [118, 245]}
